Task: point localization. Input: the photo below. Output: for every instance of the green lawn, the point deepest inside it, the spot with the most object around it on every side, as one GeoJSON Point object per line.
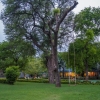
{"type": "Point", "coordinates": [45, 91]}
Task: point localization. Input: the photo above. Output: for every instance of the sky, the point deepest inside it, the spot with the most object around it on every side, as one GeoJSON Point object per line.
{"type": "Point", "coordinates": [82, 4]}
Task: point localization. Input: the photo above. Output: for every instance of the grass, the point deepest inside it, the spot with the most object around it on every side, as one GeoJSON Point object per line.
{"type": "Point", "coordinates": [45, 91]}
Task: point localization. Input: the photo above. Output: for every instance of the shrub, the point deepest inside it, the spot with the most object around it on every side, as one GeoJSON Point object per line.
{"type": "Point", "coordinates": [34, 80]}
{"type": "Point", "coordinates": [97, 83]}
{"type": "Point", "coordinates": [12, 74]}
{"type": "Point", "coordinates": [3, 80]}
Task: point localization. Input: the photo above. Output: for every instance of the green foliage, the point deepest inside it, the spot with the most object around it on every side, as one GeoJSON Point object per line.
{"type": "Point", "coordinates": [56, 11]}
{"type": "Point", "coordinates": [35, 65]}
{"type": "Point", "coordinates": [90, 34]}
{"type": "Point", "coordinates": [3, 80]}
{"type": "Point", "coordinates": [5, 55]}
{"type": "Point", "coordinates": [63, 56]}
{"type": "Point", "coordinates": [85, 51]}
{"type": "Point", "coordinates": [63, 81]}
{"type": "Point", "coordinates": [97, 44]}
{"type": "Point", "coordinates": [87, 27]}
{"type": "Point", "coordinates": [13, 53]}
{"type": "Point", "coordinates": [34, 80]}
{"type": "Point", "coordinates": [35, 30]}
{"type": "Point", "coordinates": [88, 18]}
{"type": "Point", "coordinates": [12, 74]}
{"type": "Point", "coordinates": [61, 63]}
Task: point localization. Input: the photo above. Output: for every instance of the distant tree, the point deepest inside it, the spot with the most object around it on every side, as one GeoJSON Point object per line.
{"type": "Point", "coordinates": [41, 23]}
{"type": "Point", "coordinates": [97, 62]}
{"type": "Point", "coordinates": [64, 57]}
{"type": "Point", "coordinates": [35, 66]}
{"type": "Point", "coordinates": [87, 23]}
{"type": "Point", "coordinates": [85, 53]}
{"type": "Point", "coordinates": [62, 65]}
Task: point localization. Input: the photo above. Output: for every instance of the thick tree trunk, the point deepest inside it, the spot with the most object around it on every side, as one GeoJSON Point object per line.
{"type": "Point", "coordinates": [50, 69]}
{"type": "Point", "coordinates": [55, 67]}
{"type": "Point", "coordinates": [57, 79]}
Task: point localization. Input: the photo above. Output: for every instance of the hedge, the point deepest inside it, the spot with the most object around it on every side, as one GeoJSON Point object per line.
{"type": "Point", "coordinates": [2, 80]}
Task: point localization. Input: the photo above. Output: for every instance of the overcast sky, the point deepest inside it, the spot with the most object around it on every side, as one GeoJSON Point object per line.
{"type": "Point", "coordinates": [82, 4]}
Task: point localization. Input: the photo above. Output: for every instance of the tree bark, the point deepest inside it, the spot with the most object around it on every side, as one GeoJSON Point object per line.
{"type": "Point", "coordinates": [57, 79]}
{"type": "Point", "coordinates": [50, 71]}
{"type": "Point", "coordinates": [52, 67]}
{"type": "Point", "coordinates": [55, 66]}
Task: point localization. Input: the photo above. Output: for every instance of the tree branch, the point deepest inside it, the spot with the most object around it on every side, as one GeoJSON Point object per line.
{"type": "Point", "coordinates": [64, 15]}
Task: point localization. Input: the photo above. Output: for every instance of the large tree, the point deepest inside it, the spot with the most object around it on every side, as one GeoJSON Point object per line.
{"type": "Point", "coordinates": [44, 23]}
{"type": "Point", "coordinates": [88, 19]}
{"type": "Point", "coordinates": [85, 53]}
{"type": "Point", "coordinates": [35, 66]}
